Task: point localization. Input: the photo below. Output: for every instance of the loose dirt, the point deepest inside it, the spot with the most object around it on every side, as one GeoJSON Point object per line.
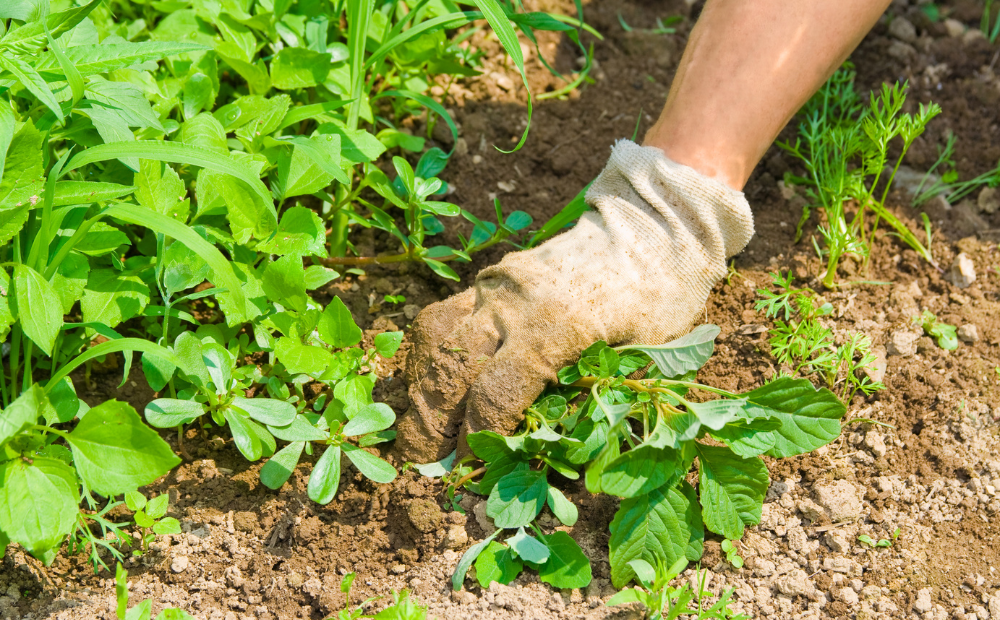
{"type": "Point", "coordinates": [930, 468]}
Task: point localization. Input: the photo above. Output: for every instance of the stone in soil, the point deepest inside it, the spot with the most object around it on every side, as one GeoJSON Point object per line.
{"type": "Point", "coordinates": [963, 271]}
{"type": "Point", "coordinates": [840, 499]}
{"type": "Point", "coordinates": [902, 343]}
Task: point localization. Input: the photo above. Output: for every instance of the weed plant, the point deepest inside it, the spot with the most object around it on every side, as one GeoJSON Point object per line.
{"type": "Point", "coordinates": [844, 147]}
{"type": "Point", "coordinates": [637, 439]}
{"type": "Point", "coordinates": [800, 342]}
{"type": "Point", "coordinates": [170, 171]}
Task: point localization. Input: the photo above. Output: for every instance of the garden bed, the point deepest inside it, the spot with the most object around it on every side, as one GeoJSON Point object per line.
{"type": "Point", "coordinates": [930, 468]}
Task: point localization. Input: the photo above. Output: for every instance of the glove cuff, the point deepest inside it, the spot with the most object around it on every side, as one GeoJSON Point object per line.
{"type": "Point", "coordinates": [645, 190]}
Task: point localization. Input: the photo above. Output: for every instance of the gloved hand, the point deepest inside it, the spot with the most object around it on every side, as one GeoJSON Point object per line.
{"type": "Point", "coordinates": [639, 269]}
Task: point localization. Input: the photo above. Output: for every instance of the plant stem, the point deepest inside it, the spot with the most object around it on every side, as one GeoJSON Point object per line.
{"type": "Point", "coordinates": [469, 476]}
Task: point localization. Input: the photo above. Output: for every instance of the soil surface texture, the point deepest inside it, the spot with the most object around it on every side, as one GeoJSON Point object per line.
{"type": "Point", "coordinates": [930, 467]}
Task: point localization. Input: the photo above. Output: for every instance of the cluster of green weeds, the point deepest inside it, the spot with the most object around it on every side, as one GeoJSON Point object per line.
{"type": "Point", "coordinates": [802, 343]}
{"type": "Point", "coordinates": [844, 146]}
{"type": "Point", "coordinates": [637, 439]}
{"type": "Point", "coordinates": [177, 179]}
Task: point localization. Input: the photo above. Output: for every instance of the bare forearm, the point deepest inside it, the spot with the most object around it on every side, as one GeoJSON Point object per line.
{"type": "Point", "coordinates": [747, 68]}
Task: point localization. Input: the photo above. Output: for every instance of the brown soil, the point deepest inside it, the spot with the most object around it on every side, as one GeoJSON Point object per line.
{"type": "Point", "coordinates": [247, 552]}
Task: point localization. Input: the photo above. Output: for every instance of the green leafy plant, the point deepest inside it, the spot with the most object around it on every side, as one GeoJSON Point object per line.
{"type": "Point", "coordinates": [150, 516]}
{"type": "Point", "coordinates": [844, 147]}
{"type": "Point", "coordinates": [171, 171]}
{"type": "Point", "coordinates": [802, 343]}
{"type": "Point", "coordinates": [144, 610]}
{"type": "Point", "coordinates": [949, 185]}
{"type": "Point", "coordinates": [732, 553]}
{"type": "Point", "coordinates": [945, 335]}
{"type": "Point", "coordinates": [661, 600]}
{"type": "Point", "coordinates": [638, 439]}
{"type": "Point", "coordinates": [882, 543]}
{"type": "Point", "coordinates": [402, 608]}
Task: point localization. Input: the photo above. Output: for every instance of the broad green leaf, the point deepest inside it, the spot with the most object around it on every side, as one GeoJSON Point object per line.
{"type": "Point", "coordinates": [357, 146]}
{"type": "Point", "coordinates": [715, 414]}
{"type": "Point", "coordinates": [370, 419]}
{"type": "Point", "coordinates": [561, 507]}
{"type": "Point", "coordinates": [301, 358]}
{"type": "Point", "coordinates": [205, 131]}
{"type": "Point", "coordinates": [70, 279]}
{"type": "Point", "coordinates": [190, 360]}
{"type": "Point", "coordinates": [687, 353]}
{"type": "Point", "coordinates": [267, 410]}
{"type": "Point", "coordinates": [644, 469]}
{"type": "Point", "coordinates": [284, 282]}
{"type": "Point", "coordinates": [567, 566]}
{"type": "Point", "coordinates": [135, 500]}
{"type": "Point", "coordinates": [22, 413]}
{"type": "Point", "coordinates": [593, 436]}
{"type": "Point", "coordinates": [499, 469]}
{"type": "Point", "coordinates": [374, 468]}
{"type": "Point", "coordinates": [324, 151]}
{"type": "Point", "coordinates": [115, 452]}
{"type": "Point", "coordinates": [142, 611]}
{"type": "Point", "coordinates": [810, 418]}
{"type": "Point", "coordinates": [318, 276]}
{"type": "Point", "coordinates": [458, 577]}
{"type": "Point", "coordinates": [37, 307]}
{"type": "Point", "coordinates": [7, 125]}
{"type": "Point", "coordinates": [168, 525]}
{"type": "Point", "coordinates": [325, 477]}
{"type": "Point", "coordinates": [295, 67]}
{"type": "Point", "coordinates": [111, 297]}
{"type": "Point", "coordinates": [33, 32]}
{"type": "Point", "coordinates": [517, 498]}
{"type": "Point", "coordinates": [247, 441]}
{"type": "Point", "coordinates": [159, 188]}
{"type": "Point", "coordinates": [732, 490]}
{"type": "Point", "coordinates": [298, 174]}
{"type": "Point", "coordinates": [101, 239]}
{"type": "Point", "coordinates": [337, 327]}
{"type": "Point", "coordinates": [497, 562]}
{"type": "Point", "coordinates": [219, 362]}
{"type": "Point", "coordinates": [22, 179]}
{"type": "Point", "coordinates": [197, 94]}
{"type": "Point", "coordinates": [126, 101]}
{"type": "Point", "coordinates": [300, 232]}
{"type": "Point", "coordinates": [39, 504]}
{"type": "Point", "coordinates": [174, 614]}
{"type": "Point", "coordinates": [487, 445]}
{"type": "Point", "coordinates": [437, 469]}
{"type": "Point", "coordinates": [644, 572]}
{"type": "Point", "coordinates": [248, 217]}
{"type": "Point", "coordinates": [387, 343]}
{"type": "Point", "coordinates": [528, 548]}
{"type": "Point", "coordinates": [73, 76]}
{"type": "Point", "coordinates": [171, 412]}
{"type": "Point", "coordinates": [278, 469]}
{"type": "Point", "coordinates": [62, 404]}
{"type": "Point", "coordinates": [662, 526]}
{"type": "Point", "coordinates": [182, 268]}
{"type": "Point", "coordinates": [255, 74]}
{"type": "Point", "coordinates": [157, 507]}
{"type": "Point", "coordinates": [300, 429]}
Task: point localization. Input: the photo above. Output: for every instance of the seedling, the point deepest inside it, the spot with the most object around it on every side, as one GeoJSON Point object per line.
{"type": "Point", "coordinates": [663, 601]}
{"type": "Point", "coordinates": [945, 335]}
{"type": "Point", "coordinates": [402, 608]}
{"type": "Point", "coordinates": [883, 543]}
{"type": "Point", "coordinates": [150, 517]}
{"type": "Point", "coordinates": [732, 553]}
{"type": "Point", "coordinates": [144, 610]}
{"type": "Point", "coordinates": [638, 439]}
{"type": "Point", "coordinates": [802, 343]}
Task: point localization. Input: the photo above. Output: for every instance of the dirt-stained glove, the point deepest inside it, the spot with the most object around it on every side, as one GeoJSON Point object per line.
{"type": "Point", "coordinates": [639, 269]}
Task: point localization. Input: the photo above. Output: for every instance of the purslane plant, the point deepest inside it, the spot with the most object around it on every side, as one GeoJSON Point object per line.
{"type": "Point", "coordinates": [638, 439]}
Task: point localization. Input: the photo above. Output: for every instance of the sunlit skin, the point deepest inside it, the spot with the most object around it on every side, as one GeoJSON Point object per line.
{"type": "Point", "coordinates": [747, 68]}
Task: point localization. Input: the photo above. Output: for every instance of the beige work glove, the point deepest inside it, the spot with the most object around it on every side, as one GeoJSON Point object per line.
{"type": "Point", "coordinates": [639, 269]}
